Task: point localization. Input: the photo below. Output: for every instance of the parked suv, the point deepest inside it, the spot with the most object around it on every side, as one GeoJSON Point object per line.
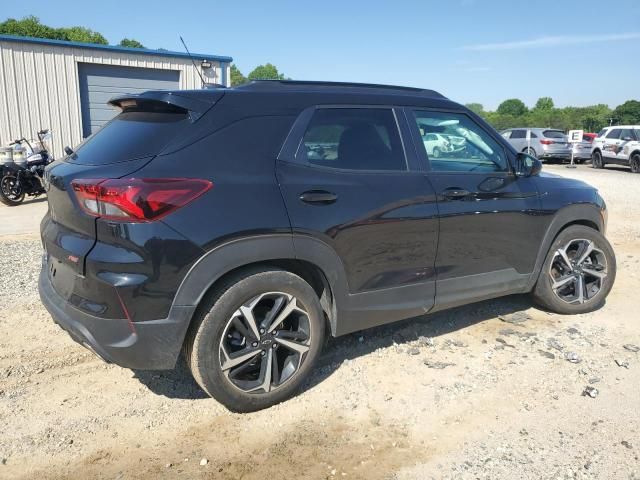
{"type": "Point", "coordinates": [242, 226]}
{"type": "Point", "coordinates": [619, 145]}
{"type": "Point", "coordinates": [546, 143]}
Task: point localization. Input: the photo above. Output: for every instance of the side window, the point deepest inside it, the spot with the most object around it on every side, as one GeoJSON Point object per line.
{"type": "Point", "coordinates": [614, 134]}
{"type": "Point", "coordinates": [353, 139]}
{"type": "Point", "coordinates": [601, 133]}
{"type": "Point", "coordinates": [519, 134]}
{"type": "Point", "coordinates": [626, 133]}
{"type": "Point", "coordinates": [507, 134]}
{"type": "Point", "coordinates": [462, 146]}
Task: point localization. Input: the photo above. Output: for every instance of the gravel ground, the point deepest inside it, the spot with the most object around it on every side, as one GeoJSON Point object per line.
{"type": "Point", "coordinates": [493, 390]}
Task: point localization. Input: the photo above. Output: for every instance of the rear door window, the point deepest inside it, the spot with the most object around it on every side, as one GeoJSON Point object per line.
{"type": "Point", "coordinates": [131, 135]}
{"type": "Point", "coordinates": [518, 134]}
{"type": "Point", "coordinates": [353, 139]}
{"type": "Point", "coordinates": [614, 134]}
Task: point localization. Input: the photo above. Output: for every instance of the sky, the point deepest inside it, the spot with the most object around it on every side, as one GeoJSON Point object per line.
{"type": "Point", "coordinates": [577, 52]}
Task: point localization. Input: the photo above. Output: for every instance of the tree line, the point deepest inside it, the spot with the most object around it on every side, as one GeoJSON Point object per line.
{"type": "Point", "coordinates": [514, 113]}
{"type": "Point", "coordinates": [31, 26]}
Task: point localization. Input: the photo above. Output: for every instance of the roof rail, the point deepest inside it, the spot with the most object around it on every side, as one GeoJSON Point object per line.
{"type": "Point", "coordinates": [271, 85]}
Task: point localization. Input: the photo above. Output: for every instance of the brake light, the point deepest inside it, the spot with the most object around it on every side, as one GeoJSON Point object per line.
{"type": "Point", "coordinates": [547, 142]}
{"type": "Point", "coordinates": [136, 199]}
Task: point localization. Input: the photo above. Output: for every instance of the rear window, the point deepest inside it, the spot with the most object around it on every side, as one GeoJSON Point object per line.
{"type": "Point", "coordinates": [554, 134]}
{"type": "Point", "coordinates": [129, 136]}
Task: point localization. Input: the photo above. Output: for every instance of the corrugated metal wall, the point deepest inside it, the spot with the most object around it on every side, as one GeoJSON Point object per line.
{"type": "Point", "coordinates": [39, 87]}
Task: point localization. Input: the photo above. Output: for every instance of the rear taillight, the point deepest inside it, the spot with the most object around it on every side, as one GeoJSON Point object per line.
{"type": "Point", "coordinates": [547, 142]}
{"type": "Point", "coordinates": [136, 199]}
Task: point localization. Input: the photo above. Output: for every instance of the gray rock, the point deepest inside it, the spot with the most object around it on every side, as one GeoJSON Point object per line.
{"type": "Point", "coordinates": [626, 444]}
{"type": "Point", "coordinates": [504, 342]}
{"type": "Point", "coordinates": [515, 318]}
{"type": "Point", "coordinates": [631, 348]}
{"type": "Point", "coordinates": [413, 351]}
{"type": "Point", "coordinates": [426, 341]}
{"type": "Point", "coordinates": [572, 357]}
{"type": "Point", "coordinates": [544, 353]}
{"type": "Point", "coordinates": [437, 365]}
{"type": "Point", "coordinates": [590, 392]}
{"type": "Point", "coordinates": [555, 344]}
{"type": "Point", "coordinates": [622, 363]}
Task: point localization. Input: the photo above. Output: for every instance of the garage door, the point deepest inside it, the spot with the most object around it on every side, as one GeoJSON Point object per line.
{"type": "Point", "coordinates": [100, 83]}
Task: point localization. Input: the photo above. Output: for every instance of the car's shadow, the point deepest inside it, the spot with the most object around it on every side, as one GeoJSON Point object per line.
{"type": "Point", "coordinates": [179, 383]}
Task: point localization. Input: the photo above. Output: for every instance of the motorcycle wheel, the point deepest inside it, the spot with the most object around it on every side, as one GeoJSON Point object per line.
{"type": "Point", "coordinates": [11, 192]}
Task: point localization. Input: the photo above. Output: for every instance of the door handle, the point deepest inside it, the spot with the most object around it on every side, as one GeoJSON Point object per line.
{"type": "Point", "coordinates": [455, 193]}
{"type": "Point", "coordinates": [318, 196]}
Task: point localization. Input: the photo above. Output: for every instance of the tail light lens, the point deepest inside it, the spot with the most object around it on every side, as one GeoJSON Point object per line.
{"type": "Point", "coordinates": [136, 199]}
{"type": "Point", "coordinates": [547, 142]}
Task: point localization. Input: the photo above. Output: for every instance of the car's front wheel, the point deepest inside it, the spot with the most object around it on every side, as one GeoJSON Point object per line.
{"type": "Point", "coordinates": [578, 272]}
{"type": "Point", "coordinates": [635, 163]}
{"type": "Point", "coordinates": [596, 160]}
{"type": "Point", "coordinates": [257, 339]}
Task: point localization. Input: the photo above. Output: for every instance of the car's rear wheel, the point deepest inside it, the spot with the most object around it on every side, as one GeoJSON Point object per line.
{"type": "Point", "coordinates": [596, 160]}
{"type": "Point", "coordinates": [578, 272]}
{"type": "Point", "coordinates": [635, 163]}
{"type": "Point", "coordinates": [257, 339]}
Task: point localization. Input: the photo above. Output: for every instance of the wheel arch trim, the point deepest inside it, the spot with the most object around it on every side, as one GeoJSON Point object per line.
{"type": "Point", "coordinates": [577, 214]}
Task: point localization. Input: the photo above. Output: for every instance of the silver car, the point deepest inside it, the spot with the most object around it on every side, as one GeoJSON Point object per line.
{"type": "Point", "coordinates": [546, 143]}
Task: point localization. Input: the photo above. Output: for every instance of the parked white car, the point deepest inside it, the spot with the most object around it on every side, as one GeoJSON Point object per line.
{"type": "Point", "coordinates": [618, 145]}
{"type": "Point", "coordinates": [437, 144]}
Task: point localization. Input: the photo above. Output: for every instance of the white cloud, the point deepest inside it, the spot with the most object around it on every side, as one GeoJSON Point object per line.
{"type": "Point", "coordinates": [562, 40]}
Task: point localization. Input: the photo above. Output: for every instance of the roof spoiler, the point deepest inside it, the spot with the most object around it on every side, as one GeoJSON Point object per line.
{"type": "Point", "coordinates": [197, 103]}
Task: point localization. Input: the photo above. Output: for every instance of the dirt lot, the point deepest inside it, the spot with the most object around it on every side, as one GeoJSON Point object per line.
{"type": "Point", "coordinates": [483, 391]}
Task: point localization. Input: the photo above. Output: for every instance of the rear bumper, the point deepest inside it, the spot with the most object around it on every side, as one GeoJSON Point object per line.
{"type": "Point", "coordinates": [555, 155]}
{"type": "Point", "coordinates": [149, 345]}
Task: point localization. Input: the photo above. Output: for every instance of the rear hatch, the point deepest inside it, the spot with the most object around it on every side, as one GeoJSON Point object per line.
{"type": "Point", "coordinates": [555, 141]}
{"type": "Point", "coordinates": [148, 124]}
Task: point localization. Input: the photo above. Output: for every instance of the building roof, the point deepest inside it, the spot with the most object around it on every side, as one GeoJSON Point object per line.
{"type": "Point", "coordinates": [115, 48]}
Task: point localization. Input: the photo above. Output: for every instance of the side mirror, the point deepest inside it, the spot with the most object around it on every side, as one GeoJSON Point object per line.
{"type": "Point", "coordinates": [527, 166]}
{"type": "Point", "coordinates": [627, 139]}
{"type": "Point", "coordinates": [68, 150]}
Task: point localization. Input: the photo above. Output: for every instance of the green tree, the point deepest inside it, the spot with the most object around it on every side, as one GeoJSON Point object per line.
{"type": "Point", "coordinates": [31, 27]}
{"type": "Point", "coordinates": [237, 78]}
{"type": "Point", "coordinates": [628, 113]}
{"type": "Point", "coordinates": [513, 106]}
{"type": "Point", "coordinates": [265, 72]}
{"type": "Point", "coordinates": [82, 34]}
{"type": "Point", "coordinates": [130, 43]}
{"type": "Point", "coordinates": [476, 108]}
{"type": "Point", "coordinates": [544, 103]}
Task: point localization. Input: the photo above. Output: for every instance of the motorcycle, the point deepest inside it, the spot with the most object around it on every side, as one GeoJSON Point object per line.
{"type": "Point", "coordinates": [25, 176]}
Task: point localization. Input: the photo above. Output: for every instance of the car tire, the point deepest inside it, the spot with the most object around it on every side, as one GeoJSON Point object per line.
{"type": "Point", "coordinates": [436, 153]}
{"type": "Point", "coordinates": [635, 163]}
{"type": "Point", "coordinates": [214, 346]}
{"type": "Point", "coordinates": [596, 160]}
{"type": "Point", "coordinates": [530, 151]}
{"type": "Point", "coordinates": [558, 286]}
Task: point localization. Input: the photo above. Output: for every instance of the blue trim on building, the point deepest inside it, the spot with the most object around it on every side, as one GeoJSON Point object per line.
{"type": "Point", "coordinates": [115, 48]}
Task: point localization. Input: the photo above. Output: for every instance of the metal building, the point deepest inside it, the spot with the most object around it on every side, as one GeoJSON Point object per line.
{"type": "Point", "coordinates": [64, 86]}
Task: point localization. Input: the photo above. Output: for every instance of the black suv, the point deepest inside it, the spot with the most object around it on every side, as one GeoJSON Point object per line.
{"type": "Point", "coordinates": [244, 225]}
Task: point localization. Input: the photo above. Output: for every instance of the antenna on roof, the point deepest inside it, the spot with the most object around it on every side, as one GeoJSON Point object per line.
{"type": "Point", "coordinates": [194, 62]}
